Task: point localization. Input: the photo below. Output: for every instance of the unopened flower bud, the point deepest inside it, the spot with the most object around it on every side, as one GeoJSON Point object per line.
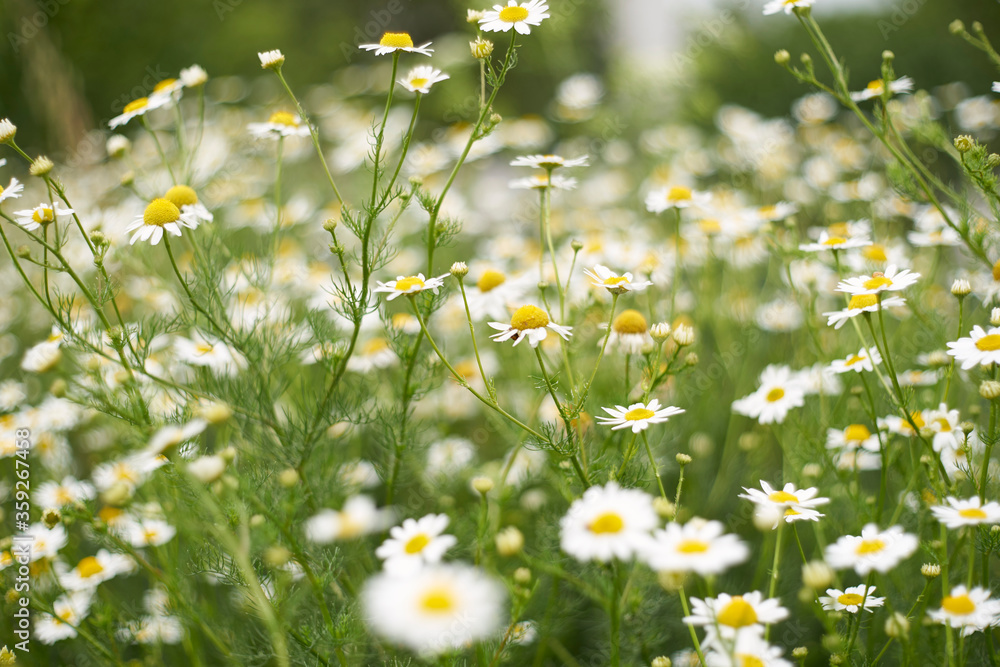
{"type": "Point", "coordinates": [691, 359]}
{"type": "Point", "coordinates": [481, 49]}
{"type": "Point", "coordinates": [522, 575]}
{"type": "Point", "coordinates": [58, 388]}
{"type": "Point", "coordinates": [277, 555]}
{"type": "Point", "coordinates": [577, 246]}
{"type": "Point", "coordinates": [993, 160]}
{"type": "Point", "coordinates": [800, 652]}
{"type": "Point", "coordinates": [661, 661]}
{"type": "Point", "coordinates": [782, 57]}
{"type": "Point", "coordinates": [51, 517]}
{"type": "Point", "coordinates": [509, 541]}
{"type": "Point", "coordinates": [271, 59]}
{"type": "Point", "coordinates": [495, 118]}
{"type": "Point", "coordinates": [660, 331]}
{"type": "Point", "coordinates": [459, 270]}
{"type": "Point", "coordinates": [964, 143]}
{"type": "Point", "coordinates": [128, 178]}
{"type": "Point", "coordinates": [897, 626]}
{"type": "Point", "coordinates": [228, 454]}
{"type": "Point", "coordinates": [930, 570]}
{"type": "Point", "coordinates": [288, 478]}
{"type": "Point", "coordinates": [482, 485]}
{"type": "Point", "coordinates": [684, 335]}
{"type": "Point", "coordinates": [214, 412]}
{"type": "Point", "coordinates": [474, 15]}
{"type": "Point", "coordinates": [207, 469]}
{"type": "Point", "coordinates": [257, 520]}
{"type": "Point", "coordinates": [117, 494]}
{"type": "Point", "coordinates": [683, 459]}
{"type": "Point", "coordinates": [670, 581]}
{"type": "Point", "coordinates": [888, 55]}
{"type": "Point", "coordinates": [956, 27]}
{"type": "Point", "coordinates": [118, 145]}
{"type": "Point", "coordinates": [23, 251]}
{"type": "Point", "coordinates": [806, 59]}
{"type": "Point", "coordinates": [330, 225]}
{"type": "Point", "coordinates": [7, 131]}
{"type": "Point", "coordinates": [817, 575]}
{"type": "Point", "coordinates": [41, 166]}
{"type": "Point", "coordinates": [961, 287]}
{"type": "Point", "coordinates": [812, 470]}
{"type": "Point", "coordinates": [990, 390]}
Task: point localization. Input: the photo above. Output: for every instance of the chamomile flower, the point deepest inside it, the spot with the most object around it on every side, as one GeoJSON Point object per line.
{"type": "Point", "coordinates": [272, 59]}
{"type": "Point", "coordinates": [828, 241]}
{"type": "Point", "coordinates": [676, 196]}
{"type": "Point", "coordinates": [629, 332]}
{"type": "Point", "coordinates": [876, 88]}
{"type": "Point", "coordinates": [779, 392]}
{"type": "Point", "coordinates": [160, 215]}
{"type": "Point", "coordinates": [42, 215]}
{"type": "Point", "coordinates": [495, 293]}
{"type": "Point", "coordinates": [549, 162]}
{"type": "Point", "coordinates": [147, 532]}
{"type": "Point", "coordinates": [94, 570]}
{"type": "Point", "coordinates": [971, 610]}
{"type": "Point", "coordinates": [638, 416]}
{"type": "Point", "coordinates": [604, 277]}
{"type": "Point", "coordinates": [749, 649]}
{"type": "Point", "coordinates": [728, 615]}
{"type": "Point", "coordinates": [186, 199]}
{"type": "Point", "coordinates": [608, 522]}
{"type": "Point", "coordinates": [874, 549]}
{"type": "Point", "coordinates": [209, 352]}
{"type": "Point", "coordinates": [12, 191]}
{"type": "Point", "coordinates": [280, 124]}
{"type": "Point", "coordinates": [129, 472]}
{"type": "Point", "coordinates": [396, 41]}
{"type": "Point", "coordinates": [858, 447]}
{"type": "Point", "coordinates": [173, 435]}
{"type": "Point", "coordinates": [358, 517]}
{"type": "Point", "coordinates": [960, 513]}
{"type": "Point", "coordinates": [421, 78]}
{"type": "Point", "coordinates": [375, 353]}
{"type": "Point", "coordinates": [852, 599]}
{"type": "Point", "coordinates": [787, 6]}
{"type": "Point", "coordinates": [790, 503]}
{"type": "Point", "coordinates": [980, 348]}
{"type": "Point", "coordinates": [410, 285]}
{"type": "Point", "coordinates": [542, 181]}
{"type": "Point", "coordinates": [46, 542]}
{"type": "Point", "coordinates": [529, 322]}
{"type": "Point", "coordinates": [68, 612]}
{"type": "Point", "coordinates": [857, 362]}
{"type": "Point", "coordinates": [415, 544]}
{"type": "Point", "coordinates": [946, 424]}
{"type": "Point", "coordinates": [439, 608]}
{"type": "Point", "coordinates": [890, 280]}
{"type": "Point", "coordinates": [138, 107]}
{"type": "Point", "coordinates": [56, 495]}
{"type": "Point", "coordinates": [698, 546]}
{"type": "Point", "coordinates": [518, 17]}
{"type": "Point", "coordinates": [861, 303]}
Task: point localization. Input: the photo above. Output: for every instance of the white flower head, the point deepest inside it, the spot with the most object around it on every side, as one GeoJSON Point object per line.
{"type": "Point", "coordinates": [677, 196]}
{"type": "Point", "coordinates": [272, 59]}
{"type": "Point", "coordinates": [604, 277]}
{"type": "Point", "coordinates": [861, 303]}
{"type": "Point", "coordinates": [728, 615]}
{"type": "Point", "coordinates": [416, 543]}
{"type": "Point", "coordinates": [392, 42]}
{"type": "Point", "coordinates": [789, 503]}
{"type": "Point", "coordinates": [607, 522]}
{"type": "Point", "coordinates": [279, 124]}
{"type": "Point", "coordinates": [698, 546]}
{"type": "Point", "coordinates": [638, 416]}
{"type": "Point", "coordinates": [780, 391]}
{"type": "Point", "coordinates": [787, 6]}
{"type": "Point", "coordinates": [138, 107]}
{"type": "Point", "coordinates": [410, 285]}
{"type": "Point", "coordinates": [160, 215]}
{"type": "Point", "coordinates": [851, 599]}
{"type": "Point", "coordinates": [980, 348]}
{"type": "Point", "coordinates": [960, 513]}
{"type": "Point", "coordinates": [876, 88]}
{"type": "Point", "coordinates": [421, 78]}
{"type": "Point", "coordinates": [358, 517]}
{"type": "Point", "coordinates": [42, 215]}
{"type": "Point", "coordinates": [861, 361]}
{"type": "Point", "coordinates": [970, 610]}
{"type": "Point", "coordinates": [529, 322]}
{"type": "Point", "coordinates": [12, 191]}
{"type": "Point", "coordinates": [874, 549]}
{"type": "Point", "coordinates": [93, 570]}
{"type": "Point", "coordinates": [520, 17]}
{"type": "Point", "coordinates": [890, 280]}
{"type": "Point", "coordinates": [549, 162]}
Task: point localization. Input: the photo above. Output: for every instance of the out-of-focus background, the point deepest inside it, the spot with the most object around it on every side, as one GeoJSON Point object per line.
{"type": "Point", "coordinates": [68, 66]}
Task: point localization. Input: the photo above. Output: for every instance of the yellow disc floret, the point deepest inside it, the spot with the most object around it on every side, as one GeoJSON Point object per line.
{"type": "Point", "coordinates": [416, 544]}
{"type": "Point", "coordinates": [738, 613]}
{"type": "Point", "coordinates": [43, 215]}
{"type": "Point", "coordinates": [513, 14]}
{"type": "Point", "coordinates": [857, 433]}
{"type": "Point", "coordinates": [972, 513]}
{"type": "Point", "coordinates": [859, 301]}
{"type": "Point", "coordinates": [679, 193]}
{"type": "Point", "coordinates": [439, 600]}
{"type": "Point", "coordinates": [630, 322]}
{"type": "Point", "coordinates": [775, 394]}
{"type": "Point", "coordinates": [88, 567]}
{"type": "Point", "coordinates": [870, 547]}
{"type": "Point", "coordinates": [181, 195]}
{"type": "Point", "coordinates": [638, 414]}
{"type": "Point", "coordinates": [396, 40]}
{"type": "Point", "coordinates": [490, 280]}
{"type": "Point", "coordinates": [529, 317]}
{"type": "Point", "coordinates": [609, 522]}
{"type": "Point", "coordinates": [960, 605]}
{"type": "Point", "coordinates": [283, 118]}
{"type": "Point", "coordinates": [161, 212]}
{"type": "Point", "coordinates": [782, 497]}
{"type": "Point", "coordinates": [988, 343]}
{"type": "Point", "coordinates": [163, 85]}
{"type": "Point", "coordinates": [850, 599]}
{"type": "Point", "coordinates": [408, 283]}
{"type": "Point", "coordinates": [136, 105]}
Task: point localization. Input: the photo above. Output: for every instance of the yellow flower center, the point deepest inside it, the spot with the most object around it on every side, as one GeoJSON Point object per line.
{"type": "Point", "coordinates": [109, 514]}
{"type": "Point", "coordinates": [149, 534]}
{"type": "Point", "coordinates": [396, 40]}
{"type": "Point", "coordinates": [875, 85]}
{"type": "Point", "coordinates": [996, 271]}
{"type": "Point", "coordinates": [989, 343]}
{"type": "Point", "coordinates": [875, 253]}
{"type": "Point", "coordinates": [775, 394]}
{"type": "Point", "coordinates": [615, 280]}
{"type": "Point", "coordinates": [857, 433]}
{"type": "Point", "coordinates": [943, 424]}
{"type": "Point", "coordinates": [870, 547]}
{"type": "Point", "coordinates": [859, 301]}
{"type": "Point", "coordinates": [767, 211]}
{"type": "Point", "coordinates": [181, 195]}
{"type": "Point", "coordinates": [438, 600]}
{"type": "Point", "coordinates": [745, 659]}
{"type": "Point", "coordinates": [163, 85]}
{"type": "Point", "coordinates": [709, 226]}
{"type": "Point", "coordinates": [960, 605]}
{"type": "Point", "coordinates": [692, 547]}
{"type": "Point", "coordinates": [529, 317]}
{"type": "Point", "coordinates": [513, 14]}
{"type": "Point", "coordinates": [160, 212]}
{"type": "Point", "coordinates": [839, 229]}
{"type": "Point", "coordinates": [783, 497]}
{"type": "Point", "coordinates": [630, 322]}
{"type": "Point", "coordinates": [835, 240]}
{"type": "Point", "coordinates": [848, 599]}
{"type": "Point", "coordinates": [375, 345]}
{"type": "Point", "coordinates": [408, 283]}
{"type": "Point", "coordinates": [418, 81]}
{"type": "Point", "coordinates": [877, 280]}
{"type": "Point", "coordinates": [972, 513]}
{"type": "Point", "coordinates": [43, 215]}
{"type": "Point", "coordinates": [286, 118]}
{"type": "Point", "coordinates": [738, 613]}
{"type": "Point", "coordinates": [854, 360]}
{"type": "Point", "coordinates": [416, 544]}
{"type": "Point", "coordinates": [89, 567]}
{"type": "Point", "coordinates": [607, 523]}
{"type": "Point", "coordinates": [136, 105]}
{"type": "Point", "coordinates": [203, 348]}
{"type": "Point", "coordinates": [490, 280]}
{"type": "Point", "coordinates": [638, 414]}
{"type": "Point", "coordinates": [550, 162]}
{"type": "Point", "coordinates": [679, 193]}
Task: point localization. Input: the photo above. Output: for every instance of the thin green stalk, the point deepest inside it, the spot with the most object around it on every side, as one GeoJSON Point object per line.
{"type": "Point", "coordinates": [694, 635]}
{"type": "Point", "coordinates": [775, 567]}
{"type": "Point", "coordinates": [656, 471]}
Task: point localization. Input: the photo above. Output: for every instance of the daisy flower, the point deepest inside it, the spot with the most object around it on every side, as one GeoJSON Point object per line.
{"type": "Point", "coordinates": [138, 107]}
{"type": "Point", "coordinates": [43, 214]}
{"type": "Point", "coordinates": [68, 612]}
{"type": "Point", "coordinates": [727, 615]}
{"type": "Point", "coordinates": [173, 435]}
{"type": "Point", "coordinates": [698, 546]}
{"type": "Point", "coordinates": [359, 516]}
{"type": "Point", "coordinates": [209, 352]}
{"type": "Point", "coordinates": [410, 285]}
{"type": "Point", "coordinates": [874, 549]}
{"type": "Point", "coordinates": [980, 348]}
{"type": "Point", "coordinates": [876, 88]}
{"type": "Point", "coordinates": [56, 495]}
{"type": "Point", "coordinates": [958, 513]}
{"type": "Point", "coordinates": [861, 303]}
{"type": "Point", "coordinates": [130, 472]}
{"type": "Point", "coordinates": [193, 76]}
{"type": "Point", "coordinates": [677, 196]}
{"type": "Point", "coordinates": [851, 599]}
{"type": "Point", "coordinates": [791, 503]}
{"type": "Point", "coordinates": [272, 59]}
{"type": "Point", "coordinates": [607, 522]}
{"type": "Point", "coordinates": [549, 162]}
{"type": "Point", "coordinates": [7, 131]}
{"type": "Point", "coordinates": [900, 426]}
{"type": "Point", "coordinates": [46, 542]}
{"type": "Point", "coordinates": [495, 294]}
{"type": "Point", "coordinates": [414, 544]}
{"type": "Point", "coordinates": [186, 199]}
{"type": "Point", "coordinates": [518, 17]}
{"type": "Point", "coordinates": [629, 332]}
{"type": "Point", "coordinates": [421, 78]}
{"type": "Point", "coordinates": [638, 416]}
{"type": "Point", "coordinates": [396, 41]}
{"type": "Point", "coordinates": [529, 322]}
{"type": "Point", "coordinates": [973, 611]}
{"type": "Point", "coordinates": [147, 532]}
{"type": "Point", "coordinates": [12, 191]}
{"type": "Point", "coordinates": [857, 362]}
{"type": "Point", "coordinates": [93, 570]}
{"type": "Point", "coordinates": [542, 181]}
{"type": "Point", "coordinates": [604, 277]}
{"type": "Point", "coordinates": [439, 608]}
{"type": "Point", "coordinates": [946, 424]}
{"type": "Point", "coordinates": [858, 446]}
{"type": "Point", "coordinates": [374, 354]}
{"type": "Point", "coordinates": [280, 124]}
{"type": "Point", "coordinates": [160, 215]}
{"type": "Point", "coordinates": [779, 392]}
{"type": "Point", "coordinates": [890, 280]}
{"type": "Point", "coordinates": [786, 6]}
{"type": "Point", "coordinates": [829, 241]}
{"type": "Point", "coordinates": [750, 649]}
